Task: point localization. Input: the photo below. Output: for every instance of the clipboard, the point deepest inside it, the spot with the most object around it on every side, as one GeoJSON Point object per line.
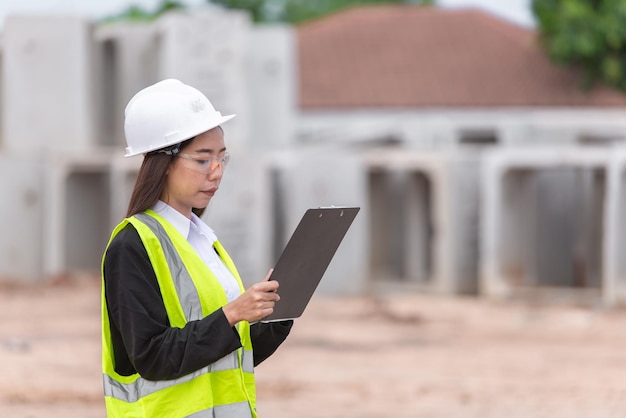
{"type": "Point", "coordinates": [306, 257]}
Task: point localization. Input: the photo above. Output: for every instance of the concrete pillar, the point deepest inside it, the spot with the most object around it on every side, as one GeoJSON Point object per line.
{"type": "Point", "coordinates": [24, 213]}
{"type": "Point", "coordinates": [272, 85]}
{"type": "Point", "coordinates": [614, 244]}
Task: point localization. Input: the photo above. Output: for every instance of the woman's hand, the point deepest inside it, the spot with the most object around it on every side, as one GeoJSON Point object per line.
{"type": "Point", "coordinates": [255, 303]}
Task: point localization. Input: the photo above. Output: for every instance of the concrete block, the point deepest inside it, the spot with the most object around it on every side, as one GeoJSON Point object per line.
{"type": "Point", "coordinates": [424, 214]}
{"type": "Point", "coordinates": [542, 219]}
{"type": "Point", "coordinates": [47, 84]}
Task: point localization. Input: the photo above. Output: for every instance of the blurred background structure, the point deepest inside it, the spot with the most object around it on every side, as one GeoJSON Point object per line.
{"type": "Point", "coordinates": [481, 167]}
{"type": "Point", "coordinates": [485, 146]}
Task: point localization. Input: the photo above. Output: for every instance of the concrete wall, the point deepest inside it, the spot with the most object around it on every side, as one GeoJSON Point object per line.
{"type": "Point", "coordinates": [444, 128]}
{"type": "Point", "coordinates": [118, 48]}
{"type": "Point", "coordinates": [47, 84]}
{"type": "Point", "coordinates": [208, 50]}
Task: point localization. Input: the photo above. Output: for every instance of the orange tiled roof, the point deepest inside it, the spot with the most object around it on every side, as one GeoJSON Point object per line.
{"type": "Point", "coordinates": [412, 56]}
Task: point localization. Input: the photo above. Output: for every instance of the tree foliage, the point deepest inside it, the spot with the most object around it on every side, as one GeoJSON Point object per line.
{"type": "Point", "coordinates": [297, 11]}
{"type": "Point", "coordinates": [586, 34]}
{"type": "Point", "coordinates": [136, 13]}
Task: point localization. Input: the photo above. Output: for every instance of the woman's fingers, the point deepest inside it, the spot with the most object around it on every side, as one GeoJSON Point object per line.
{"type": "Point", "coordinates": [265, 286]}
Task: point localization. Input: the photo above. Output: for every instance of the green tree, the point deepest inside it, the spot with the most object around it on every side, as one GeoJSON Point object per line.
{"type": "Point", "coordinates": [297, 11]}
{"type": "Point", "coordinates": [586, 34]}
{"type": "Point", "coordinates": [136, 13]}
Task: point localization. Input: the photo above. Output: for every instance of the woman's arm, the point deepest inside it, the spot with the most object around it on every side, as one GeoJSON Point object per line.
{"type": "Point", "coordinates": [267, 337]}
{"type": "Point", "coordinates": [142, 339]}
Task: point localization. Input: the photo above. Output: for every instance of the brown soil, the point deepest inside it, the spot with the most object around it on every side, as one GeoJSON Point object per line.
{"type": "Point", "coordinates": [402, 356]}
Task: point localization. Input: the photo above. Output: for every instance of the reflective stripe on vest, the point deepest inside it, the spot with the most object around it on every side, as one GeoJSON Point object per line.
{"type": "Point", "coordinates": [238, 410]}
{"type": "Point", "coordinates": [131, 392]}
{"type": "Point", "coordinates": [135, 388]}
{"type": "Point", "coordinates": [187, 293]}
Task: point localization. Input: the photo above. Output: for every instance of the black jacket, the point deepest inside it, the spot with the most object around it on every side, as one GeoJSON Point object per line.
{"type": "Point", "coordinates": [143, 341]}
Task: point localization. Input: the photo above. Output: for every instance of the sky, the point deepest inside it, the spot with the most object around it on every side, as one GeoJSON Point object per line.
{"type": "Point", "coordinates": [516, 11]}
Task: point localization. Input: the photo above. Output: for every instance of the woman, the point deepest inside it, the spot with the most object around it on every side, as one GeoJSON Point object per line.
{"type": "Point", "coordinates": [175, 316]}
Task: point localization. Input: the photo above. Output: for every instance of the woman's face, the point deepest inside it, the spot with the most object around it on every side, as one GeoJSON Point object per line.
{"type": "Point", "coordinates": [194, 175]}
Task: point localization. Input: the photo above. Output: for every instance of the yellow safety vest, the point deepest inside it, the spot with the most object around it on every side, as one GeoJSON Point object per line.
{"type": "Point", "coordinates": [224, 389]}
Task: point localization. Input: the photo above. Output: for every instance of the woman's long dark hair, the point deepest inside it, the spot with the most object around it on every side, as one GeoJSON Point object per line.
{"type": "Point", "coordinates": [150, 182]}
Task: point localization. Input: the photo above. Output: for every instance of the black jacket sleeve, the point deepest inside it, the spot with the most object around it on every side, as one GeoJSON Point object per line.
{"type": "Point", "coordinates": [266, 337]}
{"type": "Point", "coordinates": [142, 338]}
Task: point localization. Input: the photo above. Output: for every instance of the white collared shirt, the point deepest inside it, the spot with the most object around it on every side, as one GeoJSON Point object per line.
{"type": "Point", "coordinates": [202, 239]}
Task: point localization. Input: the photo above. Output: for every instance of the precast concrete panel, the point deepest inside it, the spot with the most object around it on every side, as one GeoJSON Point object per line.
{"type": "Point", "coordinates": [614, 273]}
{"type": "Point", "coordinates": [47, 84]}
{"type": "Point", "coordinates": [23, 216]}
{"type": "Point", "coordinates": [331, 177]}
{"type": "Point", "coordinates": [272, 86]}
{"type": "Point", "coordinates": [208, 50]}
{"type": "Point", "coordinates": [128, 58]}
{"type": "Point", "coordinates": [542, 220]}
{"type": "Point", "coordinates": [424, 217]}
{"type": "Point", "coordinates": [78, 201]}
{"type": "Point", "coordinates": [464, 184]}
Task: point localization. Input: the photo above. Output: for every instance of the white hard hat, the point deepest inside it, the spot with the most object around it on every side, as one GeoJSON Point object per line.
{"type": "Point", "coordinates": [167, 113]}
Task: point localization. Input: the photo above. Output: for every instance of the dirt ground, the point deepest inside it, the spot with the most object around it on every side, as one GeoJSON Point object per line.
{"type": "Point", "coordinates": [393, 356]}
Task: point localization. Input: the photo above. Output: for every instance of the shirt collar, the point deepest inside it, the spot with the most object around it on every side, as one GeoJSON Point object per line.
{"type": "Point", "coordinates": [181, 222]}
{"type": "Point", "coordinates": [177, 219]}
{"type": "Point", "coordinates": [203, 227]}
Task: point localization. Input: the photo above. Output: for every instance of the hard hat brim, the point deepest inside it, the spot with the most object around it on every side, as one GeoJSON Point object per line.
{"type": "Point", "coordinates": [191, 134]}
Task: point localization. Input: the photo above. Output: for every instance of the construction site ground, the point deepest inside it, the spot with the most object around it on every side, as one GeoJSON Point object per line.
{"type": "Point", "coordinates": [398, 355]}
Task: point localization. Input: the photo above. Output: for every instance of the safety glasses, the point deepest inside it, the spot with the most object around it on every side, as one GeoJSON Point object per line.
{"type": "Point", "coordinates": [205, 164]}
